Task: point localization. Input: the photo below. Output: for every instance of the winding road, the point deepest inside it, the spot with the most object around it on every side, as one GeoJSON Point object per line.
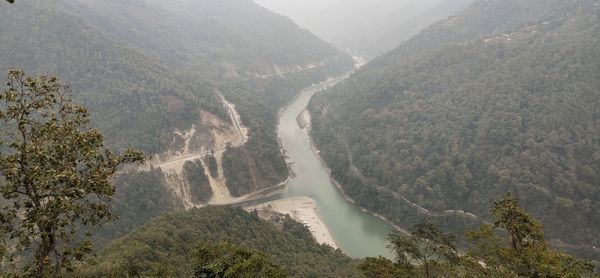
{"type": "Point", "coordinates": [236, 122]}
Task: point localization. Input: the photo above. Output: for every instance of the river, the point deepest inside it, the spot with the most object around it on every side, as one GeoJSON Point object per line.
{"type": "Point", "coordinates": [357, 233]}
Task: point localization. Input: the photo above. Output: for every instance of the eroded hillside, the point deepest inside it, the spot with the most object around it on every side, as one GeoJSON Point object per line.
{"type": "Point", "coordinates": [161, 86]}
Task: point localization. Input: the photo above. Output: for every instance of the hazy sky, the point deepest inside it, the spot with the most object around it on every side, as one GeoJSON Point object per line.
{"type": "Point", "coordinates": [298, 10]}
{"type": "Point", "coordinates": [365, 28]}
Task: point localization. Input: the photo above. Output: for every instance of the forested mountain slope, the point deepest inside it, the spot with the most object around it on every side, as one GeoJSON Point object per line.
{"type": "Point", "coordinates": [149, 70]}
{"type": "Point", "coordinates": [505, 97]}
{"type": "Point", "coordinates": [163, 71]}
{"type": "Point", "coordinates": [134, 99]}
{"type": "Point", "coordinates": [407, 25]}
{"type": "Point", "coordinates": [208, 38]}
{"type": "Point", "coordinates": [481, 19]}
{"type": "Point", "coordinates": [165, 244]}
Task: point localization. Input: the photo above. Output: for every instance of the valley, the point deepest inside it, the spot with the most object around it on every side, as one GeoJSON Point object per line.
{"type": "Point", "coordinates": [356, 232]}
{"type": "Point", "coordinates": [309, 195]}
{"type": "Point", "coordinates": [287, 138]}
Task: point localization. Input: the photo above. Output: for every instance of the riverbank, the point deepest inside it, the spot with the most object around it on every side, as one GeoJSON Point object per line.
{"type": "Point", "coordinates": [355, 232]}
{"type": "Point", "coordinates": [307, 128]}
{"type": "Point", "coordinates": [302, 210]}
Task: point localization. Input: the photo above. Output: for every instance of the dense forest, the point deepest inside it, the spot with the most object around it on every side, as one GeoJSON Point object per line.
{"type": "Point", "coordinates": [127, 69]}
{"type": "Point", "coordinates": [170, 246]}
{"type": "Point", "coordinates": [206, 39]}
{"type": "Point", "coordinates": [514, 246]}
{"type": "Point", "coordinates": [165, 245]}
{"type": "Point", "coordinates": [220, 240]}
{"type": "Point", "coordinates": [139, 198]}
{"type": "Point", "coordinates": [143, 78]}
{"type": "Point", "coordinates": [459, 134]}
{"type": "Point", "coordinates": [134, 99]}
{"type": "Point", "coordinates": [504, 97]}
{"type": "Point", "coordinates": [260, 162]}
{"type": "Point", "coordinates": [198, 180]}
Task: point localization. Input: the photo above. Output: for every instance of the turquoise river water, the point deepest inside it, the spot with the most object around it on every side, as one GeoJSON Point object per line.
{"type": "Point", "coordinates": [357, 233]}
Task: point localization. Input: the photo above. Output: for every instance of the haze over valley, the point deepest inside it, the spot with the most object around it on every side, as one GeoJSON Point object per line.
{"type": "Point", "coordinates": [366, 28]}
{"type": "Point", "coordinates": [288, 138]}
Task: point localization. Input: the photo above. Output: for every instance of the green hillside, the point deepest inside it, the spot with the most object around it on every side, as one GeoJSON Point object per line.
{"type": "Point", "coordinates": [142, 78]}
{"type": "Point", "coordinates": [513, 106]}
{"type": "Point", "coordinates": [216, 40]}
{"type": "Point", "coordinates": [134, 99]}
{"type": "Point", "coordinates": [166, 244]}
{"type": "Point", "coordinates": [260, 163]}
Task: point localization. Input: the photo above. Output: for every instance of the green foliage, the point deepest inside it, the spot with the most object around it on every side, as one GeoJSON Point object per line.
{"type": "Point", "coordinates": [140, 86]}
{"type": "Point", "coordinates": [504, 97]}
{"type": "Point", "coordinates": [217, 41]}
{"type": "Point", "coordinates": [260, 163]}
{"type": "Point", "coordinates": [213, 168]}
{"type": "Point", "coordinates": [524, 231]}
{"type": "Point", "coordinates": [55, 176]}
{"type": "Point", "coordinates": [137, 83]}
{"type": "Point", "coordinates": [381, 267]}
{"type": "Point", "coordinates": [239, 174]}
{"type": "Point", "coordinates": [427, 247]}
{"type": "Point", "coordinates": [193, 172]}
{"type": "Point", "coordinates": [522, 253]}
{"type": "Point", "coordinates": [139, 198]}
{"type": "Point", "coordinates": [168, 242]}
{"type": "Point", "coordinates": [226, 260]}
{"type": "Point", "coordinates": [427, 252]}
{"type": "Point", "coordinates": [134, 99]}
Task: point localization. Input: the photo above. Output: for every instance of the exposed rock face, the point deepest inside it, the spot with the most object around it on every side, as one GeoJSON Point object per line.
{"type": "Point", "coordinates": [210, 136]}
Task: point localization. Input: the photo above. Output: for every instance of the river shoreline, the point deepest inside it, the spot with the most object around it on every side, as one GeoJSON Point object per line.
{"type": "Point", "coordinates": [338, 185]}
{"type": "Point", "coordinates": [356, 231]}
{"type": "Point", "coordinates": [300, 209]}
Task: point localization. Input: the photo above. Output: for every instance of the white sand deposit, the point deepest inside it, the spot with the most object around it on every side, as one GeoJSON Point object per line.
{"type": "Point", "coordinates": [303, 210]}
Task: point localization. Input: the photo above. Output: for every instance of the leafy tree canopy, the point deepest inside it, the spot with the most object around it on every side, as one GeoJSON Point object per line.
{"type": "Point", "coordinates": [523, 251]}
{"type": "Point", "coordinates": [513, 246]}
{"type": "Point", "coordinates": [182, 244]}
{"type": "Point", "coordinates": [229, 261]}
{"type": "Point", "coordinates": [55, 176]}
